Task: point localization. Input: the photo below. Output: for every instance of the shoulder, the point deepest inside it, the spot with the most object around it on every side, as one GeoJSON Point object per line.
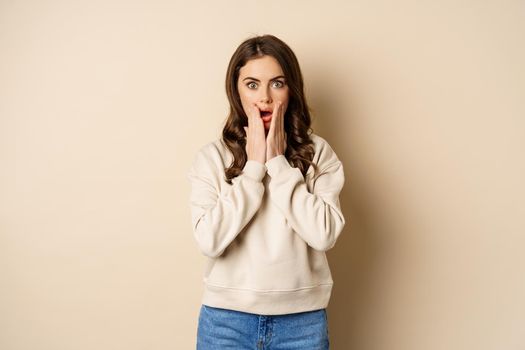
{"type": "Point", "coordinates": [209, 148]}
{"type": "Point", "coordinates": [325, 155]}
{"type": "Point", "coordinates": [211, 155]}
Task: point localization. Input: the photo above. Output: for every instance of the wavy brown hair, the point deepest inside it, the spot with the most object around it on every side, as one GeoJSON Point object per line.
{"type": "Point", "coordinates": [300, 147]}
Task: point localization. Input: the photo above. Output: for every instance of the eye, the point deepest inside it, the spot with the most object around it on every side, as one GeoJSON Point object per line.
{"type": "Point", "coordinates": [278, 83]}
{"type": "Point", "coordinates": [251, 85]}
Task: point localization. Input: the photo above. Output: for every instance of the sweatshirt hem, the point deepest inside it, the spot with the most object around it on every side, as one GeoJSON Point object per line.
{"type": "Point", "coordinates": [270, 302]}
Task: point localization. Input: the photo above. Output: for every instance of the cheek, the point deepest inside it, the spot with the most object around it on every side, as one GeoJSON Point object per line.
{"type": "Point", "coordinates": [286, 101]}
{"type": "Point", "coordinates": [283, 96]}
{"type": "Point", "coordinates": [246, 98]}
{"type": "Point", "coordinates": [245, 102]}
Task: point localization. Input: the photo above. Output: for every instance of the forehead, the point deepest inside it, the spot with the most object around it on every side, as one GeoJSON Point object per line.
{"type": "Point", "coordinates": [265, 67]}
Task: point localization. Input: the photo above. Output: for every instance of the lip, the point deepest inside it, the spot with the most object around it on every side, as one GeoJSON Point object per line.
{"type": "Point", "coordinates": [269, 109]}
{"type": "Point", "coordinates": [267, 116]}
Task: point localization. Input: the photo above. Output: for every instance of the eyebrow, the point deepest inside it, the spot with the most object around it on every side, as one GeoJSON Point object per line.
{"type": "Point", "coordinates": [279, 76]}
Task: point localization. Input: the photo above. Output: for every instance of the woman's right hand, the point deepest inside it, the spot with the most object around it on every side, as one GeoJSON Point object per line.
{"type": "Point", "coordinates": [255, 136]}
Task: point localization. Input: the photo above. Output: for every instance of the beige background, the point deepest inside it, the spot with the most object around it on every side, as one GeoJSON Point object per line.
{"type": "Point", "coordinates": [103, 104]}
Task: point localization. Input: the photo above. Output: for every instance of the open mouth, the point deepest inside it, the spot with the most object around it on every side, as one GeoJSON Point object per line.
{"type": "Point", "coordinates": [266, 116]}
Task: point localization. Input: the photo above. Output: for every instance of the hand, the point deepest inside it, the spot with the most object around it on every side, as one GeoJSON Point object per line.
{"type": "Point", "coordinates": [255, 136]}
{"type": "Point", "coordinates": [276, 139]}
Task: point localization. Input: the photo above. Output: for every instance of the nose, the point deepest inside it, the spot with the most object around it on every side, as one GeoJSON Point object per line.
{"type": "Point", "coordinates": [265, 96]}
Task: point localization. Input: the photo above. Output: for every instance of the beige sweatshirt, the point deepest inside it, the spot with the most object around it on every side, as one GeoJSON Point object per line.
{"type": "Point", "coordinates": [265, 236]}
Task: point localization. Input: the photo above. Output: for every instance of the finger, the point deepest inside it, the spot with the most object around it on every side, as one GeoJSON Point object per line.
{"type": "Point", "coordinates": [273, 121]}
{"type": "Point", "coordinates": [256, 117]}
{"type": "Point", "coordinates": [256, 112]}
{"type": "Point", "coordinates": [275, 110]}
{"type": "Point", "coordinates": [250, 114]}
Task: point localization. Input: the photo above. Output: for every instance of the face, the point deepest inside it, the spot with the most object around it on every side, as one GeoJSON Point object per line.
{"type": "Point", "coordinates": [261, 82]}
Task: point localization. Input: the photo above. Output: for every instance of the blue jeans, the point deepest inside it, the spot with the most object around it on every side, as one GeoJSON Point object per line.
{"type": "Point", "coordinates": [230, 329]}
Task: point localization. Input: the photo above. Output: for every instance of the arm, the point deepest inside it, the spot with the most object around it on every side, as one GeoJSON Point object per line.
{"type": "Point", "coordinates": [317, 216]}
{"type": "Point", "coordinates": [217, 218]}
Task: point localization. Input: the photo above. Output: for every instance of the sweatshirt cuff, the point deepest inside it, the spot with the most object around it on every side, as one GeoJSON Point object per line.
{"type": "Point", "coordinates": [277, 164]}
{"type": "Point", "coordinates": [254, 169]}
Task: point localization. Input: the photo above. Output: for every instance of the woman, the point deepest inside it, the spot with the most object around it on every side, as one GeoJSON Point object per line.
{"type": "Point", "coordinates": [265, 208]}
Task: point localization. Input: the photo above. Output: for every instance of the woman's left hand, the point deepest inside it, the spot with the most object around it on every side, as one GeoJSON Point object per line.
{"type": "Point", "coordinates": [276, 138]}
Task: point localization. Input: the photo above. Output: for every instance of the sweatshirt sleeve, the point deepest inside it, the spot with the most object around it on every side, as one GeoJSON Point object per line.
{"type": "Point", "coordinates": [317, 216]}
{"type": "Point", "coordinates": [218, 216]}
